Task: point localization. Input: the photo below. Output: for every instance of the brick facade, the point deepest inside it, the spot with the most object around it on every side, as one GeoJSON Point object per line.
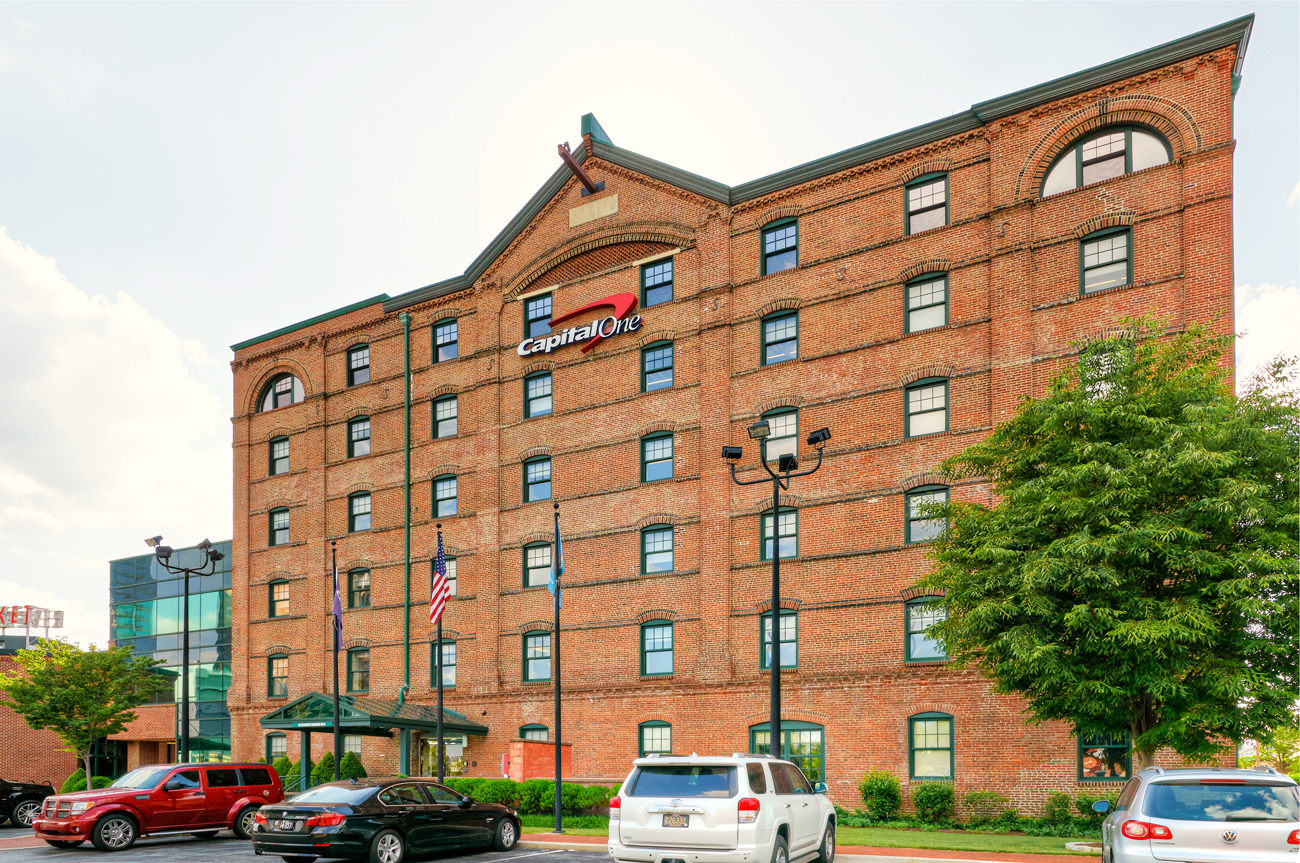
{"type": "Point", "coordinates": [29, 755]}
{"type": "Point", "coordinates": [1015, 319]}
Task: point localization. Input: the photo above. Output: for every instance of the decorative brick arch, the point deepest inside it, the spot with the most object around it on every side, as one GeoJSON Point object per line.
{"type": "Point", "coordinates": [656, 336]}
{"type": "Point", "coordinates": [1104, 333]}
{"type": "Point", "coordinates": [537, 536]}
{"type": "Point", "coordinates": [787, 716]}
{"type": "Point", "coordinates": [536, 626]}
{"type": "Point", "coordinates": [356, 642]}
{"type": "Point", "coordinates": [270, 369]}
{"type": "Point", "coordinates": [1170, 119]}
{"type": "Point", "coordinates": [280, 503]}
{"type": "Point", "coordinates": [778, 403]}
{"type": "Point", "coordinates": [1117, 219]}
{"type": "Point", "coordinates": [658, 518]}
{"type": "Point", "coordinates": [444, 470]}
{"type": "Point", "coordinates": [358, 487]}
{"type": "Point", "coordinates": [358, 339]}
{"type": "Point", "coordinates": [918, 592]}
{"type": "Point", "coordinates": [930, 707]}
{"type": "Point", "coordinates": [280, 430]}
{"type": "Point", "coordinates": [787, 501]}
{"type": "Point", "coordinates": [278, 650]}
{"type": "Point", "coordinates": [656, 614]}
{"type": "Point", "coordinates": [776, 214]}
{"type": "Point", "coordinates": [451, 634]}
{"type": "Point", "coordinates": [938, 265]}
{"type": "Point", "coordinates": [536, 452]}
{"type": "Point", "coordinates": [673, 235]}
{"type": "Point", "coordinates": [356, 563]}
{"type": "Point", "coordinates": [788, 603]}
{"type": "Point", "coordinates": [539, 366]}
{"type": "Point", "coordinates": [917, 480]}
{"type": "Point", "coordinates": [659, 426]}
{"type": "Point", "coordinates": [781, 305]}
{"type": "Point", "coordinates": [930, 370]}
{"type": "Point", "coordinates": [444, 390]}
{"type": "Point", "coordinates": [932, 166]}
{"type": "Point", "coordinates": [359, 411]}
{"type": "Point", "coordinates": [442, 314]}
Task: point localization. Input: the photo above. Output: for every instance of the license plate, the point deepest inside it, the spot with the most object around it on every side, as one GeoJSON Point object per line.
{"type": "Point", "coordinates": [676, 820]}
{"type": "Point", "coordinates": [286, 825]}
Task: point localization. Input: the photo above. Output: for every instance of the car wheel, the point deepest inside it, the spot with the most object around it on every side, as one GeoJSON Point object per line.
{"type": "Point", "coordinates": [387, 847]}
{"type": "Point", "coordinates": [114, 832]}
{"type": "Point", "coordinates": [780, 854]}
{"type": "Point", "coordinates": [826, 853]}
{"type": "Point", "coordinates": [507, 835]}
{"type": "Point", "coordinates": [206, 834]}
{"type": "Point", "coordinates": [244, 822]}
{"type": "Point", "coordinates": [59, 843]}
{"type": "Point", "coordinates": [26, 813]}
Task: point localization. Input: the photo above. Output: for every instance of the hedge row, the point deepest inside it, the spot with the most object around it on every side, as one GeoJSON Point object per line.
{"type": "Point", "coordinates": [536, 796]}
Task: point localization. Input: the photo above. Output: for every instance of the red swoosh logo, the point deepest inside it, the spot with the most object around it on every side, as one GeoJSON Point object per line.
{"type": "Point", "coordinates": [623, 305]}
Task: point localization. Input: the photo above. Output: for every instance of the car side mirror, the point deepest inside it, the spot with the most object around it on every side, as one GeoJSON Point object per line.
{"type": "Point", "coordinates": [819, 788]}
{"type": "Point", "coordinates": [1101, 807]}
{"type": "Point", "coordinates": [173, 786]}
{"type": "Point", "coordinates": [467, 801]}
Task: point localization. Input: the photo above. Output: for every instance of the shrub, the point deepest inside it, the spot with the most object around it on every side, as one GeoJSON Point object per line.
{"type": "Point", "coordinates": [78, 777]}
{"type": "Point", "coordinates": [934, 801]}
{"type": "Point", "coordinates": [536, 796]}
{"type": "Point", "coordinates": [1086, 798]}
{"type": "Point", "coordinates": [503, 791]}
{"type": "Point", "coordinates": [983, 807]}
{"type": "Point", "coordinates": [324, 771]}
{"type": "Point", "coordinates": [351, 768]}
{"type": "Point", "coordinates": [882, 795]}
{"type": "Point", "coordinates": [283, 766]}
{"type": "Point", "coordinates": [1057, 808]}
{"type": "Point", "coordinates": [469, 785]}
{"type": "Point", "coordinates": [100, 781]}
{"type": "Point", "coordinates": [594, 799]}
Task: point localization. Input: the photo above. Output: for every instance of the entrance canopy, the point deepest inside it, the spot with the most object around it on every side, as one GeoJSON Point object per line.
{"type": "Point", "coordinates": [373, 716]}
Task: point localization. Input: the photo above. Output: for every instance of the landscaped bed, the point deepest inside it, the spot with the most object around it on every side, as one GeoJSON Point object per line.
{"type": "Point", "coordinates": [953, 840]}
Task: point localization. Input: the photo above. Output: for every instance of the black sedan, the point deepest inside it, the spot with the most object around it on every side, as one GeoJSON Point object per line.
{"type": "Point", "coordinates": [381, 820]}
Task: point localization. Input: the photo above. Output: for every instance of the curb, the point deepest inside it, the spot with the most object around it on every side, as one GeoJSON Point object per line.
{"type": "Point", "coordinates": [564, 846]}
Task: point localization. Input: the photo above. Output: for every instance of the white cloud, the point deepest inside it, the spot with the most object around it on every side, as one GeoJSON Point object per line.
{"type": "Point", "coordinates": [108, 436]}
{"type": "Point", "coordinates": [1294, 196]}
{"type": "Point", "coordinates": [1268, 319]}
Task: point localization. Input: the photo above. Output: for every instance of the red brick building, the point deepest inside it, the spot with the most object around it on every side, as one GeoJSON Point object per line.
{"type": "Point", "coordinates": [904, 293]}
{"type": "Point", "coordinates": [29, 755]}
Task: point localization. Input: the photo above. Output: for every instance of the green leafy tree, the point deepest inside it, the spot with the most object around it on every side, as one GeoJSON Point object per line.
{"type": "Point", "coordinates": [1138, 569]}
{"type": "Point", "coordinates": [81, 695]}
{"type": "Point", "coordinates": [351, 768]}
{"type": "Point", "coordinates": [324, 771]}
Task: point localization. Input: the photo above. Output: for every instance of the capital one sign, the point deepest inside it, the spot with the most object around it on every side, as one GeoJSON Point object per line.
{"type": "Point", "coordinates": [601, 328]}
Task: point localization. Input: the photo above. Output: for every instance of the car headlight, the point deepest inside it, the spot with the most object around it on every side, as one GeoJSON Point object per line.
{"type": "Point", "coordinates": [79, 806]}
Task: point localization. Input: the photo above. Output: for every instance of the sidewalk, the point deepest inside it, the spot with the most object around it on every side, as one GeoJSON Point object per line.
{"type": "Point", "coordinates": [13, 839]}
{"type": "Point", "coordinates": [844, 853]}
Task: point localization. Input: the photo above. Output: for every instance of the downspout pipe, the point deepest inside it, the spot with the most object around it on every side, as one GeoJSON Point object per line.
{"type": "Point", "coordinates": [406, 616]}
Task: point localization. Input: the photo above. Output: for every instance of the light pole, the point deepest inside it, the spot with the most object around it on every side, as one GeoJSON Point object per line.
{"type": "Point", "coordinates": [210, 556]}
{"type": "Point", "coordinates": [786, 469]}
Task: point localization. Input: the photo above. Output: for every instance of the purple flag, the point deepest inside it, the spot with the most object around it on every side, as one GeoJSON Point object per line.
{"type": "Point", "coordinates": [338, 611]}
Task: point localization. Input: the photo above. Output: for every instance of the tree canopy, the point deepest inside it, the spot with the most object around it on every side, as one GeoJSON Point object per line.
{"type": "Point", "coordinates": [82, 695]}
{"type": "Point", "coordinates": [1135, 567]}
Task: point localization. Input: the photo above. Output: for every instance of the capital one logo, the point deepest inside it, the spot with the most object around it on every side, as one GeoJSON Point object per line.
{"type": "Point", "coordinates": [622, 321]}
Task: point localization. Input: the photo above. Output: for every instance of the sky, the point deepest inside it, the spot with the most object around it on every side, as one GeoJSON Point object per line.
{"type": "Point", "coordinates": [175, 178]}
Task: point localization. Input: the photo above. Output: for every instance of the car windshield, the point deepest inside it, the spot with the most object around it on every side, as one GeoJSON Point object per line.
{"type": "Point", "coordinates": [143, 777]}
{"type": "Point", "coordinates": [1220, 801]}
{"type": "Point", "coordinates": [685, 781]}
{"type": "Point", "coordinates": [331, 794]}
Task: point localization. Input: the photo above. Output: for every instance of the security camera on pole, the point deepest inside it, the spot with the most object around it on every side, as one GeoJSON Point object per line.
{"type": "Point", "coordinates": [786, 469]}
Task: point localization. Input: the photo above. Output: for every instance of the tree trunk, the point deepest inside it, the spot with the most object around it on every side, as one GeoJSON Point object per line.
{"type": "Point", "coordinates": [85, 757]}
{"type": "Point", "coordinates": [1143, 758]}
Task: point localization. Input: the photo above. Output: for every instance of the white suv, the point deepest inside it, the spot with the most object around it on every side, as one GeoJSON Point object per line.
{"type": "Point", "coordinates": [1203, 816]}
{"type": "Point", "coordinates": [741, 809]}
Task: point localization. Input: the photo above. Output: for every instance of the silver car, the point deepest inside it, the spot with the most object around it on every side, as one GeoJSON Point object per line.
{"type": "Point", "coordinates": [1203, 816]}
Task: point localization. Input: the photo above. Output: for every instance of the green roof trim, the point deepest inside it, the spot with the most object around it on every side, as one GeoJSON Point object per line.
{"type": "Point", "coordinates": [591, 126]}
{"type": "Point", "coordinates": [248, 343]}
{"type": "Point", "coordinates": [359, 714]}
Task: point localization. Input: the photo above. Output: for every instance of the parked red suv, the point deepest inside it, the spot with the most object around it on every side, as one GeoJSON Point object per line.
{"type": "Point", "coordinates": [200, 799]}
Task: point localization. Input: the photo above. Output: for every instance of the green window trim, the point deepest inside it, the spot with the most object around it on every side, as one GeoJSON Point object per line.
{"type": "Point", "coordinates": [909, 631]}
{"type": "Point", "coordinates": [433, 663]}
{"type": "Point", "coordinates": [930, 741]}
{"type": "Point", "coordinates": [275, 524]}
{"type": "Point", "coordinates": [280, 391]}
{"type": "Point", "coordinates": [359, 678]}
{"type": "Point", "coordinates": [803, 743]}
{"type": "Point", "coordinates": [446, 340]}
{"type": "Point", "coordinates": [764, 635]}
{"type": "Point", "coordinates": [277, 685]}
{"type": "Point", "coordinates": [540, 570]}
{"type": "Point", "coordinates": [275, 595]}
{"type": "Point", "coordinates": [919, 404]}
{"type": "Point", "coordinates": [654, 643]}
{"type": "Point", "coordinates": [656, 276]}
{"type": "Point", "coordinates": [277, 449]}
{"type": "Point", "coordinates": [271, 739]}
{"type": "Point", "coordinates": [775, 332]}
{"type": "Point", "coordinates": [1075, 152]}
{"type": "Point", "coordinates": [538, 311]}
{"type": "Point", "coordinates": [653, 457]}
{"type": "Point", "coordinates": [548, 395]}
{"type": "Point", "coordinates": [926, 299]}
{"type": "Point", "coordinates": [909, 518]}
{"type": "Point", "coordinates": [1105, 754]}
{"type": "Point", "coordinates": [446, 417]}
{"type": "Point", "coordinates": [534, 727]}
{"type": "Point", "coordinates": [358, 437]}
{"type": "Point", "coordinates": [359, 511]}
{"type": "Point", "coordinates": [788, 440]}
{"type": "Point", "coordinates": [358, 365]}
{"type": "Point", "coordinates": [452, 577]}
{"type": "Point", "coordinates": [657, 541]}
{"type": "Point", "coordinates": [909, 210]}
{"type": "Point", "coordinates": [781, 532]}
{"type": "Point", "coordinates": [446, 489]}
{"type": "Point", "coordinates": [656, 724]}
{"type": "Point", "coordinates": [358, 592]}
{"type": "Point", "coordinates": [776, 244]}
{"type": "Point", "coordinates": [657, 366]}
{"type": "Point", "coordinates": [1084, 269]}
{"type": "Point", "coordinates": [535, 475]}
{"type": "Point", "coordinates": [537, 636]}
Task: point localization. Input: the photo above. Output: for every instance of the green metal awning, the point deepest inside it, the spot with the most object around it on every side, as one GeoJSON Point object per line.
{"type": "Point", "coordinates": [361, 715]}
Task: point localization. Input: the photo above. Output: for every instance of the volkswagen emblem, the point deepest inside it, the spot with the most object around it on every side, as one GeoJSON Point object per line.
{"type": "Point", "coordinates": [677, 802]}
{"type": "Point", "coordinates": [1229, 836]}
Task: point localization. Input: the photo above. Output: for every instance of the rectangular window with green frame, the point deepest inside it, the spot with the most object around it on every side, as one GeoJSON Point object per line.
{"type": "Point", "coordinates": [279, 453]}
{"type": "Point", "coordinates": [780, 337]}
{"type": "Point", "coordinates": [927, 407]}
{"type": "Point", "coordinates": [537, 656]}
{"type": "Point", "coordinates": [537, 479]}
{"type": "Point", "coordinates": [657, 367]}
{"type": "Point", "coordinates": [657, 648]}
{"type": "Point", "coordinates": [922, 523]}
{"type": "Point", "coordinates": [1105, 260]}
{"type": "Point", "coordinates": [537, 316]}
{"type": "Point", "coordinates": [657, 283]}
{"type": "Point", "coordinates": [657, 458]}
{"type": "Point", "coordinates": [537, 564]}
{"type": "Point", "coordinates": [278, 521]}
{"type": "Point", "coordinates": [359, 588]}
{"type": "Point", "coordinates": [446, 340]}
{"type": "Point", "coordinates": [277, 677]}
{"type": "Point", "coordinates": [657, 549]}
{"type": "Point", "coordinates": [920, 615]}
{"type": "Point", "coordinates": [803, 743]}
{"type": "Point", "coordinates": [927, 303]}
{"type": "Point", "coordinates": [538, 397]}
{"type": "Point", "coordinates": [930, 745]}
{"type": "Point", "coordinates": [655, 736]}
{"type": "Point", "coordinates": [1105, 757]}
{"type": "Point", "coordinates": [448, 663]}
{"type": "Point", "coordinates": [358, 671]}
{"type": "Point", "coordinates": [787, 534]}
{"type": "Point", "coordinates": [780, 246]}
{"type": "Point", "coordinates": [358, 437]}
{"type": "Point", "coordinates": [789, 640]}
{"type": "Point", "coordinates": [279, 599]}
{"type": "Point", "coordinates": [927, 203]}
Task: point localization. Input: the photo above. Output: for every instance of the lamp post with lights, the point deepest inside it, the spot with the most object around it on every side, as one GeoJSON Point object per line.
{"type": "Point", "coordinates": [163, 554]}
{"type": "Point", "coordinates": [787, 468]}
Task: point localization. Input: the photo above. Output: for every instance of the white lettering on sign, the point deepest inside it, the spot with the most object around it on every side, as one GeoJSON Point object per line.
{"type": "Point", "coordinates": [622, 321]}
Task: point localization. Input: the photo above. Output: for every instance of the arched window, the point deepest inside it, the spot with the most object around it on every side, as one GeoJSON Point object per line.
{"type": "Point", "coordinates": [1112, 152]}
{"type": "Point", "coordinates": [654, 736]}
{"type": "Point", "coordinates": [930, 747]}
{"type": "Point", "coordinates": [533, 732]}
{"type": "Point", "coordinates": [277, 746]}
{"type": "Point", "coordinates": [280, 391]}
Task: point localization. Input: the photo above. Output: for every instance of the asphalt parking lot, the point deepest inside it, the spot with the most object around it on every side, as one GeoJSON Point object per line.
{"type": "Point", "coordinates": [227, 847]}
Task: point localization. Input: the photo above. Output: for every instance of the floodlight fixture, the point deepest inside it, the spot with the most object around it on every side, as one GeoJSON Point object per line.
{"type": "Point", "coordinates": [205, 544]}
{"type": "Point", "coordinates": [154, 541]}
{"type": "Point", "coordinates": [760, 430]}
{"type": "Point", "coordinates": [732, 452]}
{"type": "Point", "coordinates": [787, 463]}
{"type": "Point", "coordinates": [819, 437]}
{"type": "Point", "coordinates": [164, 552]}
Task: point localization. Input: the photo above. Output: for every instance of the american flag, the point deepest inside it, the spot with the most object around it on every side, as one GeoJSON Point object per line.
{"type": "Point", "coordinates": [441, 591]}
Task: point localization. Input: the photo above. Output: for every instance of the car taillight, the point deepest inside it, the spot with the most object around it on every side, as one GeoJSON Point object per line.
{"type": "Point", "coordinates": [260, 817]}
{"type": "Point", "coordinates": [615, 805]}
{"type": "Point", "coordinates": [325, 819]}
{"type": "Point", "coordinates": [1160, 831]}
{"type": "Point", "coordinates": [1294, 838]}
{"type": "Point", "coordinates": [748, 810]}
{"type": "Point", "coordinates": [1143, 830]}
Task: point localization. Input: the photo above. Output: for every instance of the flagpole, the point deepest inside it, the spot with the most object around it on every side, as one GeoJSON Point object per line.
{"type": "Point", "coordinates": [557, 569]}
{"type": "Point", "coordinates": [438, 672]}
{"type": "Point", "coordinates": [336, 623]}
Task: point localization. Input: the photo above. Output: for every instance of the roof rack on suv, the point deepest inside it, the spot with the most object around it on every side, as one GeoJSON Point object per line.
{"type": "Point", "coordinates": [1268, 769]}
{"type": "Point", "coordinates": [1153, 767]}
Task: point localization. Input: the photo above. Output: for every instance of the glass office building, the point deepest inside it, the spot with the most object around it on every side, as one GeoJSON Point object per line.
{"type": "Point", "coordinates": [145, 612]}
